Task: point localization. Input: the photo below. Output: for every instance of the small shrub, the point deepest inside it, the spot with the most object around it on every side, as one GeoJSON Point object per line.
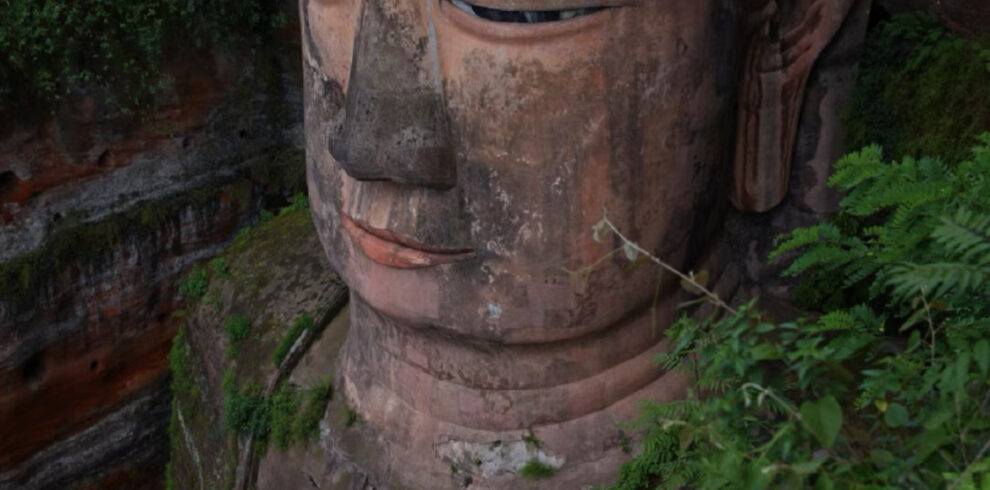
{"type": "Point", "coordinates": [219, 266]}
{"type": "Point", "coordinates": [245, 410]}
{"type": "Point", "coordinates": [282, 407]}
{"type": "Point", "coordinates": [535, 469]}
{"type": "Point", "coordinates": [193, 287]}
{"type": "Point", "coordinates": [306, 426]}
{"type": "Point", "coordinates": [236, 330]}
{"type": "Point", "coordinates": [301, 325]}
{"type": "Point", "coordinates": [299, 201]}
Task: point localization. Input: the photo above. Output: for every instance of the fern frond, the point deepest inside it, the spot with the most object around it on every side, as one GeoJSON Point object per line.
{"type": "Point", "coordinates": [802, 237]}
{"type": "Point", "coordinates": [966, 236]}
{"type": "Point", "coordinates": [826, 256]}
{"type": "Point", "coordinates": [935, 280]}
{"type": "Point", "coordinates": [858, 167]}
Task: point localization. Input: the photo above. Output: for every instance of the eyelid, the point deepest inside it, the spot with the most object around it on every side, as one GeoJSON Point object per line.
{"type": "Point", "coordinates": [516, 32]}
{"type": "Point", "coordinates": [553, 4]}
{"type": "Point", "coordinates": [523, 16]}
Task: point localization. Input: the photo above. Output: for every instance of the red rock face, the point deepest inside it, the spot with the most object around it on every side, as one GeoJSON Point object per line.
{"type": "Point", "coordinates": [81, 142]}
{"type": "Point", "coordinates": [97, 344]}
{"type": "Point", "coordinates": [83, 364]}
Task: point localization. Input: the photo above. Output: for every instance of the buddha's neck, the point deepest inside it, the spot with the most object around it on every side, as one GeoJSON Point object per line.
{"type": "Point", "coordinates": [490, 386]}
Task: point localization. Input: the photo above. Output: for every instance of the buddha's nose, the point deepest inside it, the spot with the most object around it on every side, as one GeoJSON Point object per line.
{"type": "Point", "coordinates": [394, 126]}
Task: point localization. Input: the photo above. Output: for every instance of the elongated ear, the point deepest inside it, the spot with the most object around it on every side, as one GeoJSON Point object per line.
{"type": "Point", "coordinates": [788, 36]}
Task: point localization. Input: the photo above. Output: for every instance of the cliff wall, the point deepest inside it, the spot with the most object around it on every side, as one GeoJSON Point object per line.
{"type": "Point", "coordinates": [100, 214]}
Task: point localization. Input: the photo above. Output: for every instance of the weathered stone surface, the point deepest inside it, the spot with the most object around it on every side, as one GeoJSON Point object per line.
{"type": "Point", "coordinates": [277, 273]}
{"type": "Point", "coordinates": [133, 434]}
{"type": "Point", "coordinates": [469, 322]}
{"type": "Point", "coordinates": [84, 335]}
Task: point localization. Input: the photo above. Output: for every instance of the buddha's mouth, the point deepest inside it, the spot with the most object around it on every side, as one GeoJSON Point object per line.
{"type": "Point", "coordinates": [394, 250]}
{"type": "Point", "coordinates": [523, 16]}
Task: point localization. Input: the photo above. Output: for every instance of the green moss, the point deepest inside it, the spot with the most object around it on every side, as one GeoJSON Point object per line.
{"type": "Point", "coordinates": [24, 278]}
{"type": "Point", "coordinates": [236, 329]}
{"type": "Point", "coordinates": [535, 469]}
{"type": "Point", "coordinates": [113, 47]}
{"type": "Point", "coordinates": [921, 91]}
{"type": "Point", "coordinates": [301, 325]}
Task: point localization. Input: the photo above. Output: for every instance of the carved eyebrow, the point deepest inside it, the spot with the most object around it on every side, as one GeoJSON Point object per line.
{"type": "Point", "coordinates": [523, 16]}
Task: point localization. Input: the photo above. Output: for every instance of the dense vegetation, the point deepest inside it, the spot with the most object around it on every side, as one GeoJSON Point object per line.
{"type": "Point", "coordinates": [50, 48]}
{"type": "Point", "coordinates": [887, 385]}
{"type": "Point", "coordinates": [889, 391]}
{"type": "Point", "coordinates": [921, 91]}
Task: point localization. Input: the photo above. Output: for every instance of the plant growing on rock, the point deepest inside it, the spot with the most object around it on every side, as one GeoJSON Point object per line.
{"type": "Point", "coordinates": [891, 389]}
{"type": "Point", "coordinates": [301, 325]}
{"type": "Point", "coordinates": [236, 329]}
{"type": "Point", "coordinates": [536, 469]}
{"type": "Point", "coordinates": [193, 287]}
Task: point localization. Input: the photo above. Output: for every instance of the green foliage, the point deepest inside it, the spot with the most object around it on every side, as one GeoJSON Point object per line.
{"type": "Point", "coordinates": [288, 416]}
{"type": "Point", "coordinates": [219, 266]}
{"type": "Point", "coordinates": [296, 414]}
{"type": "Point", "coordinates": [306, 425]}
{"type": "Point", "coordinates": [299, 201]}
{"type": "Point", "coordinates": [532, 442]}
{"type": "Point", "coordinates": [49, 48]}
{"type": "Point", "coordinates": [282, 406]}
{"type": "Point", "coordinates": [179, 358]}
{"type": "Point", "coordinates": [929, 237]}
{"type": "Point", "coordinates": [535, 469]}
{"type": "Point", "coordinates": [193, 287]}
{"type": "Point", "coordinates": [302, 324]}
{"type": "Point", "coordinates": [246, 412]}
{"type": "Point", "coordinates": [236, 329]}
{"type": "Point", "coordinates": [169, 476]}
{"type": "Point", "coordinates": [888, 390]}
{"type": "Point", "coordinates": [922, 90]}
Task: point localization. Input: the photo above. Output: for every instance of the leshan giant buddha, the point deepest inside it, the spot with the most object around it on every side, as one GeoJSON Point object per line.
{"type": "Point", "coordinates": [459, 153]}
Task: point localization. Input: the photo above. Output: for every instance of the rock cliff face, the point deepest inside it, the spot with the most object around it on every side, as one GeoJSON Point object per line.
{"type": "Point", "coordinates": [281, 417]}
{"type": "Point", "coordinates": [100, 213]}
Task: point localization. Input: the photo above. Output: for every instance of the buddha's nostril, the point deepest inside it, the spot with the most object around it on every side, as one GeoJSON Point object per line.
{"type": "Point", "coordinates": [523, 16]}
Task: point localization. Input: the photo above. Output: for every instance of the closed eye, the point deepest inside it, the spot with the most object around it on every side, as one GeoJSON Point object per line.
{"type": "Point", "coordinates": [523, 16]}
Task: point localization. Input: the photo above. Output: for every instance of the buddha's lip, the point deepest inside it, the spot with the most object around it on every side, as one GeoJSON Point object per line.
{"type": "Point", "coordinates": [393, 250]}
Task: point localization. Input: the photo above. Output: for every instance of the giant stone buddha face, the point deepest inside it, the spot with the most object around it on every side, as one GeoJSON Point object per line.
{"type": "Point", "coordinates": [459, 154]}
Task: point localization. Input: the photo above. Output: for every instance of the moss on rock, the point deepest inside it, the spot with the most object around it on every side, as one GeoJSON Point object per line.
{"type": "Point", "coordinates": [922, 90]}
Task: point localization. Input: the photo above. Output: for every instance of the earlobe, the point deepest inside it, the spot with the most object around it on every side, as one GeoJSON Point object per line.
{"type": "Point", "coordinates": [786, 41]}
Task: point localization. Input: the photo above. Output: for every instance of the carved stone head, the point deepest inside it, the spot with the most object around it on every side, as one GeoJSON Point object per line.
{"type": "Point", "coordinates": [459, 153]}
